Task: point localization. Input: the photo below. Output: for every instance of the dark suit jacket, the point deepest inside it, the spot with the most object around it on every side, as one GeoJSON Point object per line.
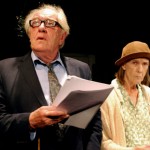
{"type": "Point", "coordinates": [21, 93]}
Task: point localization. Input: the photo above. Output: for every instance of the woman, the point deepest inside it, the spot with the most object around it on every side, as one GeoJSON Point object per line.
{"type": "Point", "coordinates": [126, 111]}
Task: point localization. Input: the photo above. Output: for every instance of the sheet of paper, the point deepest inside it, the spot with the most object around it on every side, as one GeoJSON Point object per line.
{"type": "Point", "coordinates": [82, 119]}
{"type": "Point", "coordinates": [78, 95]}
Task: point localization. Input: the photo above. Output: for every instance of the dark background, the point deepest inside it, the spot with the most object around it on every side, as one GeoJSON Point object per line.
{"type": "Point", "coordinates": [97, 28]}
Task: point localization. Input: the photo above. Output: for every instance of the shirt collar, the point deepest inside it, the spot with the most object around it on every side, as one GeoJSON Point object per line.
{"type": "Point", "coordinates": [34, 57]}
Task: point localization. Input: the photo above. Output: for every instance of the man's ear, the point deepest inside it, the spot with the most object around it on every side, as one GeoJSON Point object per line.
{"type": "Point", "coordinates": [63, 37]}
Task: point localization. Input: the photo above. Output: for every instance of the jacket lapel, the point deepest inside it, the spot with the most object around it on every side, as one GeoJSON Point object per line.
{"type": "Point", "coordinates": [29, 73]}
{"type": "Point", "coordinates": [67, 63]}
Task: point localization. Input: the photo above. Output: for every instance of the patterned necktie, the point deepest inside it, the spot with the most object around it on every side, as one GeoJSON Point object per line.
{"type": "Point", "coordinates": [54, 89]}
{"type": "Point", "coordinates": [54, 83]}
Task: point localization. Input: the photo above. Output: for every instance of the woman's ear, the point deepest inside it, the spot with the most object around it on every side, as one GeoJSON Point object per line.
{"type": "Point", "coordinates": [123, 67]}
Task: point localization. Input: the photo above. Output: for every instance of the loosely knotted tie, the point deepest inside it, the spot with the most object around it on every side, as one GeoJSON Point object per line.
{"type": "Point", "coordinates": [54, 89]}
{"type": "Point", "coordinates": [53, 82]}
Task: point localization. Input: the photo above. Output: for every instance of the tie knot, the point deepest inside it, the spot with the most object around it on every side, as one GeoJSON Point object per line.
{"type": "Point", "coordinates": [50, 67]}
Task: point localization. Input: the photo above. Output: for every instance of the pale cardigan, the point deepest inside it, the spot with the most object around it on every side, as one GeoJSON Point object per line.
{"type": "Point", "coordinates": [112, 123]}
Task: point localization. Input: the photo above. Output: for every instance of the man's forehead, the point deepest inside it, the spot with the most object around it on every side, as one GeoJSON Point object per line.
{"type": "Point", "coordinates": [46, 13]}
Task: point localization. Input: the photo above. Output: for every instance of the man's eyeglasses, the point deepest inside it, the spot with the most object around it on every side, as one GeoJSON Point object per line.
{"type": "Point", "coordinates": [47, 23]}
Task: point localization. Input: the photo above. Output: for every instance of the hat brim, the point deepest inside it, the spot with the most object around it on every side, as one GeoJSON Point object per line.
{"type": "Point", "coordinates": [127, 58]}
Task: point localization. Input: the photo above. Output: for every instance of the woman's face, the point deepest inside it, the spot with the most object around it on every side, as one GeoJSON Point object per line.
{"type": "Point", "coordinates": [135, 70]}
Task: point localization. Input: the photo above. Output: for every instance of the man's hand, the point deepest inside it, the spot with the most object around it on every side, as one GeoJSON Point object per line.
{"type": "Point", "coordinates": [45, 116]}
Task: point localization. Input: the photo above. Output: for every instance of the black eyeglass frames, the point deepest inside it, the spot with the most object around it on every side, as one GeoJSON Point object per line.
{"type": "Point", "coordinates": [47, 23]}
